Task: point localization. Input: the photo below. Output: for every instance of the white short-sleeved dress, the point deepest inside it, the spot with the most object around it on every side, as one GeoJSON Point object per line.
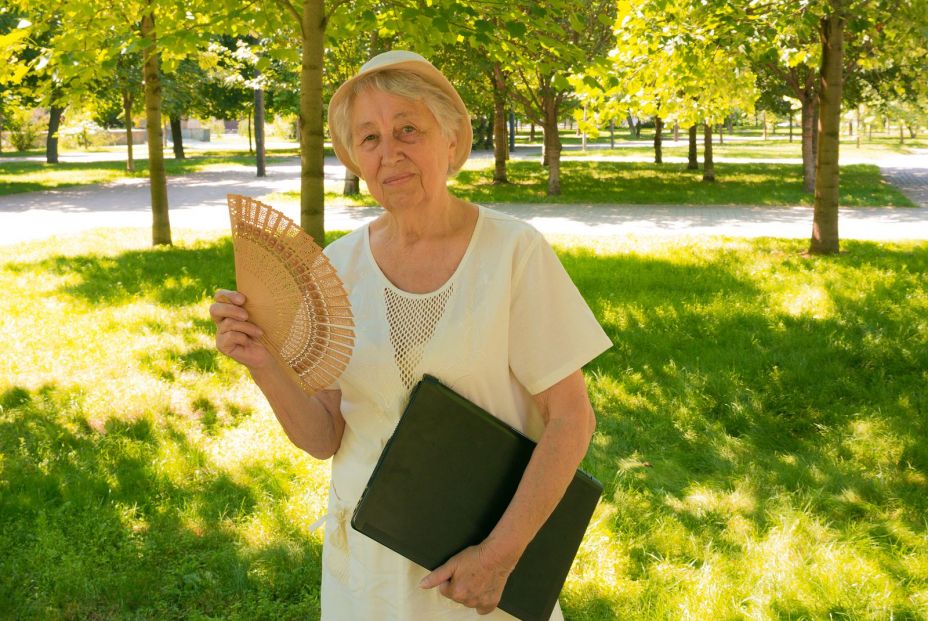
{"type": "Point", "coordinates": [508, 324]}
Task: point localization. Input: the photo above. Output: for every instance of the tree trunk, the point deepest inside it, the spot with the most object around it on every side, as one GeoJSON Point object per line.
{"type": "Point", "coordinates": [612, 133]}
{"type": "Point", "coordinates": [512, 134]}
{"type": "Point", "coordinates": [552, 144]}
{"type": "Point", "coordinates": [721, 134]}
{"type": "Point", "coordinates": [708, 166]}
{"type": "Point", "coordinates": [859, 130]}
{"type": "Point", "coordinates": [825, 219]}
{"type": "Point", "coordinates": [790, 125]}
{"type": "Point", "coordinates": [177, 137]}
{"type": "Point", "coordinates": [51, 139]}
{"type": "Point", "coordinates": [583, 133]}
{"type": "Point", "coordinates": [544, 147]}
{"type": "Point", "coordinates": [765, 124]}
{"type": "Point", "coordinates": [676, 131]}
{"type": "Point", "coordinates": [260, 161]}
{"type": "Point", "coordinates": [127, 111]}
{"type": "Point", "coordinates": [531, 132]}
{"type": "Point", "coordinates": [808, 139]}
{"type": "Point", "coordinates": [500, 139]}
{"type": "Point", "coordinates": [352, 185]}
{"type": "Point", "coordinates": [251, 148]}
{"type": "Point", "coordinates": [901, 135]}
{"type": "Point", "coordinates": [658, 126]}
{"type": "Point", "coordinates": [312, 191]}
{"type": "Point", "coordinates": [161, 225]}
{"type": "Point", "coordinates": [815, 129]}
{"type": "Point", "coordinates": [693, 159]}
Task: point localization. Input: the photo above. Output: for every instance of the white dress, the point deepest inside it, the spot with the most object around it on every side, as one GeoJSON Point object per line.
{"type": "Point", "coordinates": [508, 324]}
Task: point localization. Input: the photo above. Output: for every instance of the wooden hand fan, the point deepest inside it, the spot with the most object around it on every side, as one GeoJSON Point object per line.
{"type": "Point", "coordinates": [292, 293]}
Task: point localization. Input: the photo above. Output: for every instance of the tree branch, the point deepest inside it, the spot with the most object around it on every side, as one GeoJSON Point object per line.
{"type": "Point", "coordinates": [289, 6]}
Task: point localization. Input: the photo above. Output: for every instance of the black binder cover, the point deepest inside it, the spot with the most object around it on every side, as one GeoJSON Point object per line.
{"type": "Point", "coordinates": [443, 482]}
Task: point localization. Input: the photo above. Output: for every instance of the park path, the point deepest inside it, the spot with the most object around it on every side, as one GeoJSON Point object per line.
{"type": "Point", "coordinates": [198, 201]}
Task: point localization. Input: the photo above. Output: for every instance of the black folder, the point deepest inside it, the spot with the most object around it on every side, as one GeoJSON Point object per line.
{"type": "Point", "coordinates": [442, 483]}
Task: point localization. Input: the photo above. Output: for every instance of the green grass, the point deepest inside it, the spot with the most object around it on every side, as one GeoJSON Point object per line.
{"type": "Point", "coordinates": [761, 437]}
{"type": "Point", "coordinates": [582, 181]}
{"type": "Point", "coordinates": [32, 152]}
{"type": "Point", "coordinates": [880, 142]}
{"type": "Point", "coordinates": [777, 147]}
{"type": "Point", "coordinates": [18, 177]}
{"type": "Point", "coordinates": [640, 183]}
{"type": "Point", "coordinates": [643, 183]}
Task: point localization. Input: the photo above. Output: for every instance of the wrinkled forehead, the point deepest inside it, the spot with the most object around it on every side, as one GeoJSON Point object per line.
{"type": "Point", "coordinates": [373, 107]}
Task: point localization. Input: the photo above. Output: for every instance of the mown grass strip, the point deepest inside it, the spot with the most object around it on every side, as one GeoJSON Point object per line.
{"type": "Point", "coordinates": [640, 183]}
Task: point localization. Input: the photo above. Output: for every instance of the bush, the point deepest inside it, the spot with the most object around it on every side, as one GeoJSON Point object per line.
{"type": "Point", "coordinates": [85, 135]}
{"type": "Point", "coordinates": [283, 127]}
{"type": "Point", "coordinates": [216, 127]}
{"type": "Point", "coordinates": [25, 128]}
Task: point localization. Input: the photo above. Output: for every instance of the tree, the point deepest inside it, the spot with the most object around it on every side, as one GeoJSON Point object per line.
{"type": "Point", "coordinates": [39, 77]}
{"type": "Point", "coordinates": [14, 35]}
{"type": "Point", "coordinates": [825, 219]}
{"type": "Point", "coordinates": [309, 18]}
{"type": "Point", "coordinates": [672, 63]}
{"type": "Point", "coordinates": [561, 40]}
{"type": "Point", "coordinates": [157, 177]}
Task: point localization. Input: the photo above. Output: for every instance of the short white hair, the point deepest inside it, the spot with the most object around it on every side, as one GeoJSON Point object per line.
{"type": "Point", "coordinates": [404, 84]}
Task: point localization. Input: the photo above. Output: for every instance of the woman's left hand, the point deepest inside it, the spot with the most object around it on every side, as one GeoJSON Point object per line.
{"type": "Point", "coordinates": [473, 577]}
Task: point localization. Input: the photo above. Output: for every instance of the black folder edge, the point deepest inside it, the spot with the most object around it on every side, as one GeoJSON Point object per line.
{"type": "Point", "coordinates": [356, 524]}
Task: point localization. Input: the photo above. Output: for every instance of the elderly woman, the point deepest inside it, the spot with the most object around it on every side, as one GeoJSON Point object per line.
{"type": "Point", "coordinates": [438, 285]}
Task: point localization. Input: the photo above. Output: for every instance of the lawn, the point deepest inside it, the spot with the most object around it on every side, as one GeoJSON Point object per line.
{"type": "Point", "coordinates": [640, 183]}
{"type": "Point", "coordinates": [761, 425]}
{"type": "Point", "coordinates": [582, 180]}
{"type": "Point", "coordinates": [29, 176]}
{"type": "Point", "coordinates": [777, 147]}
{"type": "Point", "coordinates": [637, 183]}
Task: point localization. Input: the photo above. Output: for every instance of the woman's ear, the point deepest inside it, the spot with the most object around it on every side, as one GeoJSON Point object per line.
{"type": "Point", "coordinates": [452, 147]}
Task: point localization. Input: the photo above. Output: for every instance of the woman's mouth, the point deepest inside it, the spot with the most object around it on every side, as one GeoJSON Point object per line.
{"type": "Point", "coordinates": [397, 179]}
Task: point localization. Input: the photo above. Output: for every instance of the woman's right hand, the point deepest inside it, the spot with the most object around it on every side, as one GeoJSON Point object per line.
{"type": "Point", "coordinates": [236, 337]}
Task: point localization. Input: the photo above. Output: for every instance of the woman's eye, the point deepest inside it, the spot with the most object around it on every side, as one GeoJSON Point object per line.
{"type": "Point", "coordinates": [368, 138]}
{"type": "Point", "coordinates": [408, 129]}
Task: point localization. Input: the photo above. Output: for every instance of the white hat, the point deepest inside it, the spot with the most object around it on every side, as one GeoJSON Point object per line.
{"type": "Point", "coordinates": [414, 63]}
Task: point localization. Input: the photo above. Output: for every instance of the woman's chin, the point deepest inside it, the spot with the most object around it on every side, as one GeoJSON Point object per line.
{"type": "Point", "coordinates": [398, 198]}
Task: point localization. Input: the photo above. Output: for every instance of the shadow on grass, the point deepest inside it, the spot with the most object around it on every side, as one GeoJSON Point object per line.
{"type": "Point", "coordinates": [719, 403]}
{"type": "Point", "coordinates": [132, 521]}
{"type": "Point", "coordinates": [173, 276]}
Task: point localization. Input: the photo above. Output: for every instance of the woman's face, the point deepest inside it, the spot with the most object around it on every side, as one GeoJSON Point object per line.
{"type": "Point", "coordinates": [400, 148]}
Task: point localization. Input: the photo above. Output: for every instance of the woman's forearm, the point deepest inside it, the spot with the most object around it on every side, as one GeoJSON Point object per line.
{"type": "Point", "coordinates": [312, 422]}
{"type": "Point", "coordinates": [552, 466]}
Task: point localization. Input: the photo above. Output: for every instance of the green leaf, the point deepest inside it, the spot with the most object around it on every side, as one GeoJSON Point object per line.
{"type": "Point", "coordinates": [560, 82]}
{"type": "Point", "coordinates": [516, 29]}
{"type": "Point", "coordinates": [576, 23]}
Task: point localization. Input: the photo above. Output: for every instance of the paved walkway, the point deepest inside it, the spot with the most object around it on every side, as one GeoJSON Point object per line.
{"type": "Point", "coordinates": [198, 202]}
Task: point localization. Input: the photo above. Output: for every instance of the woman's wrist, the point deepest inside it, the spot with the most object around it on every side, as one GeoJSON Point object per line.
{"type": "Point", "coordinates": [503, 551]}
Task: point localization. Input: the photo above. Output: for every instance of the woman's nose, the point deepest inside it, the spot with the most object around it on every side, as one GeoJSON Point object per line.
{"type": "Point", "coordinates": [391, 149]}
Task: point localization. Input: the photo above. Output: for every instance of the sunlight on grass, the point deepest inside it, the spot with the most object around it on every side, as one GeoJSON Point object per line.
{"type": "Point", "coordinates": [337, 198]}
{"type": "Point", "coordinates": [808, 300]}
{"type": "Point", "coordinates": [642, 183]}
{"type": "Point", "coordinates": [761, 425]}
